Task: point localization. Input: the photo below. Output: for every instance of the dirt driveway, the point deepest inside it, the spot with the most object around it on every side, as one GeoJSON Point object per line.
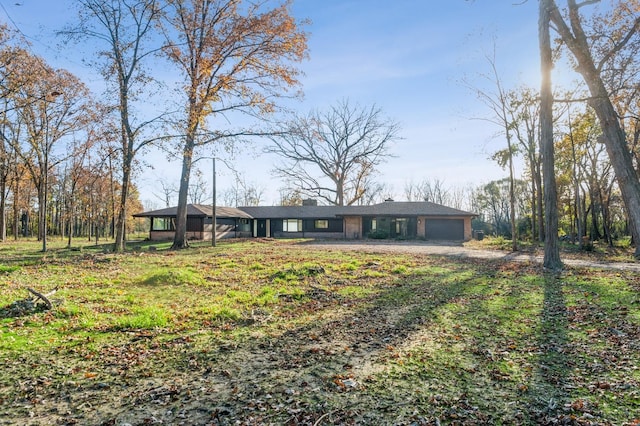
{"type": "Point", "coordinates": [457, 250]}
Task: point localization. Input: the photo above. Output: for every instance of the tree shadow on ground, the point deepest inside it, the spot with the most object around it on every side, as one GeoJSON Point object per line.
{"type": "Point", "coordinates": [548, 390]}
{"type": "Point", "coordinates": [311, 373]}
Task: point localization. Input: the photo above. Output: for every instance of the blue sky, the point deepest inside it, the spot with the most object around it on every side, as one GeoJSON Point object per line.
{"type": "Point", "coordinates": [406, 56]}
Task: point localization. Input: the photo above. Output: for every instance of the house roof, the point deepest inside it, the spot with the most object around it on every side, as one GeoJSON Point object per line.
{"type": "Point", "coordinates": [196, 210]}
{"type": "Point", "coordinates": [294, 212]}
{"type": "Point", "coordinates": [388, 208]}
{"type": "Point", "coordinates": [405, 208]}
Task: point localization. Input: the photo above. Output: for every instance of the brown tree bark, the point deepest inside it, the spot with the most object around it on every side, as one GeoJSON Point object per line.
{"type": "Point", "coordinates": [551, 252]}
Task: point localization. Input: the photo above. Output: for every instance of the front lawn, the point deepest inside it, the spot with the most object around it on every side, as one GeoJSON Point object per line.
{"type": "Point", "coordinates": [275, 332]}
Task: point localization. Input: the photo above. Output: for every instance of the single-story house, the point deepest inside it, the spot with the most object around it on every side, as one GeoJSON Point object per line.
{"type": "Point", "coordinates": [391, 219]}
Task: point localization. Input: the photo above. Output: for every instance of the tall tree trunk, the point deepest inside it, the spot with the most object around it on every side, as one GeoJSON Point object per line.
{"type": "Point", "coordinates": [121, 223]}
{"type": "Point", "coordinates": [580, 215]}
{"type": "Point", "coordinates": [16, 208]}
{"type": "Point", "coordinates": [112, 221]}
{"type": "Point", "coordinates": [551, 252]}
{"type": "Point", "coordinates": [3, 202]}
{"type": "Point", "coordinates": [512, 197]}
{"type": "Point", "coordinates": [42, 213]}
{"type": "Point", "coordinates": [540, 203]}
{"type": "Point", "coordinates": [70, 215]}
{"type": "Point", "coordinates": [180, 239]}
{"type": "Point", "coordinates": [620, 157]}
{"type": "Point", "coordinates": [534, 198]}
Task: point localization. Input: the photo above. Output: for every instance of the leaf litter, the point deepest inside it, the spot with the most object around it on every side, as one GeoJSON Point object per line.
{"type": "Point", "coordinates": [423, 349]}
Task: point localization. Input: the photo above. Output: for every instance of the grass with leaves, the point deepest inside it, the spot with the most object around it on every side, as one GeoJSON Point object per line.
{"type": "Point", "coordinates": [279, 332]}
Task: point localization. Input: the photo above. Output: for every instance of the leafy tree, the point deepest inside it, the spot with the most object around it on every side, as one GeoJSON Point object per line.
{"type": "Point", "coordinates": [332, 155]}
{"type": "Point", "coordinates": [591, 63]}
{"type": "Point", "coordinates": [53, 105]}
{"type": "Point", "coordinates": [235, 57]}
{"type": "Point", "coordinates": [124, 28]}
{"type": "Point", "coordinates": [290, 198]}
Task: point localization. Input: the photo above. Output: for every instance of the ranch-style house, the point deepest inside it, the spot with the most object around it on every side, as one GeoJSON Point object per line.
{"type": "Point", "coordinates": [390, 219]}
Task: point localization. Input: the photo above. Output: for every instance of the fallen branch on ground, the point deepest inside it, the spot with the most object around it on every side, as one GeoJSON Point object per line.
{"type": "Point", "coordinates": [30, 305]}
{"type": "Point", "coordinates": [43, 297]}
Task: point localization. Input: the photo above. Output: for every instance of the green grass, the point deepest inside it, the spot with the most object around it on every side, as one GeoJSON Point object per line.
{"type": "Point", "coordinates": [272, 331]}
{"type": "Point", "coordinates": [8, 269]}
{"type": "Point", "coordinates": [150, 317]}
{"type": "Point", "coordinates": [172, 277]}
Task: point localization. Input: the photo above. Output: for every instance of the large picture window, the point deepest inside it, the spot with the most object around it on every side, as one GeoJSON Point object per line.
{"type": "Point", "coordinates": [292, 225]}
{"type": "Point", "coordinates": [321, 224]}
{"type": "Point", "coordinates": [163, 224]}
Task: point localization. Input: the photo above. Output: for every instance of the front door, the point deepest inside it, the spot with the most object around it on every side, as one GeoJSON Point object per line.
{"type": "Point", "coordinates": [262, 228]}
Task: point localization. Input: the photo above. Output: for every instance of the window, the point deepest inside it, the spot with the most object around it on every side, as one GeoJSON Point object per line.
{"type": "Point", "coordinates": [244, 225]}
{"type": "Point", "coordinates": [321, 224]}
{"type": "Point", "coordinates": [292, 225]}
{"type": "Point", "coordinates": [163, 224]}
{"type": "Point", "coordinates": [374, 225]}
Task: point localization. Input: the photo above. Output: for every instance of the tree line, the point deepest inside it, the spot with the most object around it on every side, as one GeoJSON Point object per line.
{"type": "Point", "coordinates": [228, 58]}
{"type": "Point", "coordinates": [72, 159]}
{"type": "Point", "coordinates": [580, 147]}
{"type": "Point", "coordinates": [57, 162]}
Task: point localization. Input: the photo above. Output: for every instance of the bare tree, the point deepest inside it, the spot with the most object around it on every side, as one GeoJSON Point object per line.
{"type": "Point", "coordinates": [498, 102]}
{"type": "Point", "coordinates": [77, 170]}
{"type": "Point", "coordinates": [458, 198]}
{"type": "Point", "coordinates": [234, 56]}
{"type": "Point", "coordinates": [7, 128]}
{"type": "Point", "coordinates": [168, 191]}
{"type": "Point", "coordinates": [198, 189]}
{"type": "Point", "coordinates": [525, 104]}
{"type": "Point", "coordinates": [332, 155]}
{"type": "Point", "coordinates": [432, 190]}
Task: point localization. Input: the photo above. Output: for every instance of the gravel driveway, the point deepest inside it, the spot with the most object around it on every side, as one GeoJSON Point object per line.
{"type": "Point", "coordinates": [458, 250]}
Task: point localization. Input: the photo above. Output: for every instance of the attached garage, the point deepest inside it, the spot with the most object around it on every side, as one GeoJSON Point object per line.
{"type": "Point", "coordinates": [444, 229]}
